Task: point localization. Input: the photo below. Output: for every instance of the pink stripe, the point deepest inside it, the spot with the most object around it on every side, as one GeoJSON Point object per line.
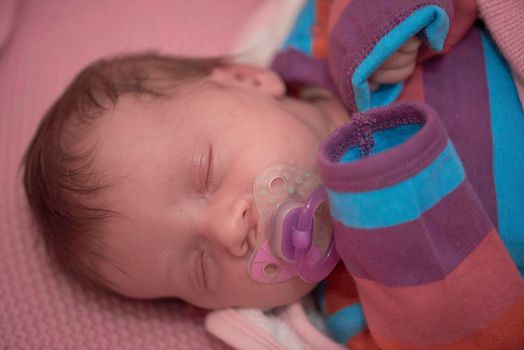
{"type": "Point", "coordinates": [475, 294]}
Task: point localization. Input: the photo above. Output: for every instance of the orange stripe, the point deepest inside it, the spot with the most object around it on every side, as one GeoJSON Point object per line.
{"type": "Point", "coordinates": [414, 87]}
{"type": "Point", "coordinates": [472, 296]}
{"type": "Point", "coordinates": [507, 332]}
{"type": "Point", "coordinates": [320, 29]}
{"type": "Point", "coordinates": [362, 341]}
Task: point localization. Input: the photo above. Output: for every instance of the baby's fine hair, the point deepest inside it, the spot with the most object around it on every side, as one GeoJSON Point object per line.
{"type": "Point", "coordinates": [60, 181]}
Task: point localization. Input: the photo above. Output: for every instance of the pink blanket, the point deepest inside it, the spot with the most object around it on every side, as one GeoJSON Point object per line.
{"type": "Point", "coordinates": [504, 20]}
{"type": "Point", "coordinates": [43, 44]}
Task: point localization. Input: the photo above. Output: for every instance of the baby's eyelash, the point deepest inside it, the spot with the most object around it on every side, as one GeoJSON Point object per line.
{"type": "Point", "coordinates": [202, 269]}
{"type": "Point", "coordinates": [205, 169]}
{"type": "Point", "coordinates": [209, 168]}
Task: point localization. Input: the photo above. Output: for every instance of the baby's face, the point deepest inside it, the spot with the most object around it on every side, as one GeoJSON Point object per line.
{"type": "Point", "coordinates": [183, 173]}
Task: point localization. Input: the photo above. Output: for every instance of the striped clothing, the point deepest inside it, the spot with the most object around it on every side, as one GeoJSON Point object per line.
{"type": "Point", "coordinates": [425, 196]}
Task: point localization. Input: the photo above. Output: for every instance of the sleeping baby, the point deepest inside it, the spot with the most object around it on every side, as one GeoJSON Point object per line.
{"type": "Point", "coordinates": [208, 181]}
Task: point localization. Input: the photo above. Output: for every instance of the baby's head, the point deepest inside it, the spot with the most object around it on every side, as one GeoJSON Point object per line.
{"type": "Point", "coordinates": [141, 175]}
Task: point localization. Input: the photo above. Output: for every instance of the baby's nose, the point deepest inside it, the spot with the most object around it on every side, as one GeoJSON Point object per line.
{"type": "Point", "coordinates": [235, 225]}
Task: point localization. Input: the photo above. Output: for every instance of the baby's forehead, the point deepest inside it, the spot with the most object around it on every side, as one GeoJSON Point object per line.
{"type": "Point", "coordinates": [171, 102]}
{"type": "Point", "coordinates": [132, 113]}
{"type": "Point", "coordinates": [136, 138]}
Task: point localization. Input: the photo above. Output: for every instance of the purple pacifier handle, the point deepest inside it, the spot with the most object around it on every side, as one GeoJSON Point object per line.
{"type": "Point", "coordinates": [310, 266]}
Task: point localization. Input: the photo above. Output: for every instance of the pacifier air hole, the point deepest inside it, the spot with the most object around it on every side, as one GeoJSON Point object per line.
{"type": "Point", "coordinates": [277, 184]}
{"type": "Point", "coordinates": [271, 269]}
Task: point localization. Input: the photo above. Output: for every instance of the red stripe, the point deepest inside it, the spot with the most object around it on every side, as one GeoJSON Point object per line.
{"type": "Point", "coordinates": [475, 294]}
{"type": "Point", "coordinates": [320, 29]}
{"type": "Point", "coordinates": [507, 332]}
{"type": "Point", "coordinates": [414, 87]}
{"type": "Point", "coordinates": [340, 291]}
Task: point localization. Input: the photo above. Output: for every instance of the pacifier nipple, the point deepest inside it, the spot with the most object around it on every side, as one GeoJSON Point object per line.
{"type": "Point", "coordinates": [281, 194]}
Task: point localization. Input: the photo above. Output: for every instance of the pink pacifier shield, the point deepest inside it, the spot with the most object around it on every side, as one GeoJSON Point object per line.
{"type": "Point", "coordinates": [265, 268]}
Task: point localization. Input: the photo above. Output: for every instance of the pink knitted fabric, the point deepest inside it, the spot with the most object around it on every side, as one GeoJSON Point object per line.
{"type": "Point", "coordinates": [49, 41]}
{"type": "Point", "coordinates": [504, 19]}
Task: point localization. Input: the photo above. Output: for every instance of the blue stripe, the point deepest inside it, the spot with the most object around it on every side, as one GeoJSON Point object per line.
{"type": "Point", "coordinates": [385, 94]}
{"type": "Point", "coordinates": [300, 36]}
{"type": "Point", "coordinates": [434, 23]}
{"type": "Point", "coordinates": [402, 202]}
{"type": "Point", "coordinates": [346, 323]}
{"type": "Point", "coordinates": [507, 124]}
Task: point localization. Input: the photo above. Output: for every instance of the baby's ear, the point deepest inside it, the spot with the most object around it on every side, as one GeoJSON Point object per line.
{"type": "Point", "coordinates": [249, 77]}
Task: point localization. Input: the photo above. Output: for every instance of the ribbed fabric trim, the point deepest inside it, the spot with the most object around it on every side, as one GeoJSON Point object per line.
{"type": "Point", "coordinates": [386, 168]}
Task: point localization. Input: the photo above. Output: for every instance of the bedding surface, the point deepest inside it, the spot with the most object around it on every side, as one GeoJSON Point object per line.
{"type": "Point", "coordinates": [42, 46]}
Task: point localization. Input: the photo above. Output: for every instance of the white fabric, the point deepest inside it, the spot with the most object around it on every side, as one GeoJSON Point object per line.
{"type": "Point", "coordinates": [285, 328]}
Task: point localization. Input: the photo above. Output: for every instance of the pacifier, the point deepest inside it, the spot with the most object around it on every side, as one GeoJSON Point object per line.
{"type": "Point", "coordinates": [294, 219]}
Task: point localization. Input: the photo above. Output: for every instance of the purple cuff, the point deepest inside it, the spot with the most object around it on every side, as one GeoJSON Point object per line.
{"type": "Point", "coordinates": [386, 168]}
{"type": "Point", "coordinates": [360, 26]}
